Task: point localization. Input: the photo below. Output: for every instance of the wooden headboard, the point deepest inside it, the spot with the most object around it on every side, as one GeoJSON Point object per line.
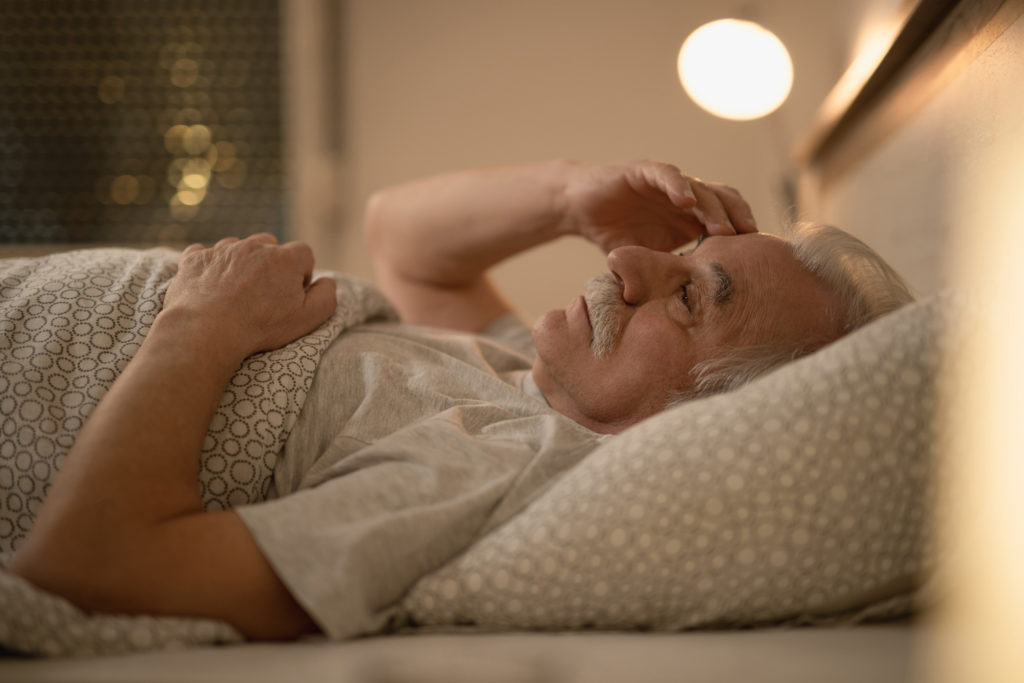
{"type": "Point", "coordinates": [899, 144]}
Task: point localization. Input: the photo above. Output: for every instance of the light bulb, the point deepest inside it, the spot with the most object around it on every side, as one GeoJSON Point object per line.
{"type": "Point", "coordinates": [735, 69]}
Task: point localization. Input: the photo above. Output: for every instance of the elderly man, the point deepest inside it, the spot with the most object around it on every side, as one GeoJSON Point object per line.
{"type": "Point", "coordinates": [411, 437]}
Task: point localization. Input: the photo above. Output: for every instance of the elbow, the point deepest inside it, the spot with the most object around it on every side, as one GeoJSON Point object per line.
{"type": "Point", "coordinates": [84, 569]}
{"type": "Point", "coordinates": [25, 567]}
{"type": "Point", "coordinates": [39, 565]}
{"type": "Point", "coordinates": [374, 222]}
{"type": "Point", "coordinates": [385, 242]}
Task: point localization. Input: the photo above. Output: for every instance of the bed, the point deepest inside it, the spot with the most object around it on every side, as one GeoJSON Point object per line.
{"type": "Point", "coordinates": [793, 506]}
{"type": "Point", "coordinates": [780, 532]}
{"type": "Point", "coordinates": [876, 653]}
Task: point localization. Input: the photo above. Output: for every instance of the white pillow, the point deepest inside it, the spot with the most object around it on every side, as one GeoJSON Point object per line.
{"type": "Point", "coordinates": [803, 494]}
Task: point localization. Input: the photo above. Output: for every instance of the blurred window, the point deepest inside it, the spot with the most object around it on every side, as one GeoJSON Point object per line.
{"type": "Point", "coordinates": [139, 122]}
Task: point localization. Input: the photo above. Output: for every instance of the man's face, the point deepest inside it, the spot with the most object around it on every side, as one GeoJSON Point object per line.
{"type": "Point", "coordinates": [669, 312]}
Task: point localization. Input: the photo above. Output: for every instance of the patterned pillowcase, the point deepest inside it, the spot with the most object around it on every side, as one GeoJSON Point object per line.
{"type": "Point", "coordinates": [801, 495]}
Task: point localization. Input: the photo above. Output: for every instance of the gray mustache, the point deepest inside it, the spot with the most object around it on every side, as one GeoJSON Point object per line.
{"type": "Point", "coordinates": [604, 297]}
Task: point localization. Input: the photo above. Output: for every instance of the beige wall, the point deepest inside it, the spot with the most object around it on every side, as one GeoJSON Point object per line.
{"type": "Point", "coordinates": [432, 85]}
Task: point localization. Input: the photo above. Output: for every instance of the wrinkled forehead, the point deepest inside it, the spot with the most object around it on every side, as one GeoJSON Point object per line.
{"type": "Point", "coordinates": [779, 299]}
{"type": "Point", "coordinates": [758, 260]}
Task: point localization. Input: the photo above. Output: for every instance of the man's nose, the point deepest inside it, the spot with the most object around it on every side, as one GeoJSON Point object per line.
{"type": "Point", "coordinates": [643, 272]}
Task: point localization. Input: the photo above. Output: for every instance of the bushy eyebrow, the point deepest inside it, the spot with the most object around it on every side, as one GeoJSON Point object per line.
{"type": "Point", "coordinates": [724, 291]}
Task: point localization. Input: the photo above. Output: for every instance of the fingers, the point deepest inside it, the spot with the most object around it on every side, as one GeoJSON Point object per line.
{"type": "Point", "coordinates": [294, 256]}
{"type": "Point", "coordinates": [720, 208]}
{"type": "Point", "coordinates": [740, 214]}
{"type": "Point", "coordinates": [249, 245]}
{"type": "Point", "coordinates": [670, 180]}
{"type": "Point", "coordinates": [321, 300]}
{"type": "Point", "coordinates": [263, 293]}
{"type": "Point", "coordinates": [225, 242]}
{"type": "Point", "coordinates": [710, 210]}
{"type": "Point", "coordinates": [301, 256]}
{"type": "Point", "coordinates": [262, 238]}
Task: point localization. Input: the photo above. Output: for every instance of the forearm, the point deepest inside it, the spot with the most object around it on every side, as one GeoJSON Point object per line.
{"type": "Point", "coordinates": [123, 529]}
{"type": "Point", "coordinates": [447, 230]}
{"type": "Point", "coordinates": [433, 240]}
{"type": "Point", "coordinates": [134, 464]}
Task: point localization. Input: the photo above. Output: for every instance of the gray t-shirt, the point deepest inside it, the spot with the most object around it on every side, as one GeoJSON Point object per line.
{"type": "Point", "coordinates": [412, 444]}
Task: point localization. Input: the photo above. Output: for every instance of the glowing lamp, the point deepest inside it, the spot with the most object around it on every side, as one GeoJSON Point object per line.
{"type": "Point", "coordinates": [735, 69]}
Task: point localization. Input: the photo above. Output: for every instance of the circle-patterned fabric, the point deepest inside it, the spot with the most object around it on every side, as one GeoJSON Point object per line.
{"type": "Point", "coordinates": [801, 495]}
{"type": "Point", "coordinates": [39, 623]}
{"type": "Point", "coordinates": [69, 323]}
{"type": "Point", "coordinates": [67, 328]}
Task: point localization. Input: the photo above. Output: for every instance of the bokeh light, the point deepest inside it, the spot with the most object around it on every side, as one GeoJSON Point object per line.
{"type": "Point", "coordinates": [138, 122]}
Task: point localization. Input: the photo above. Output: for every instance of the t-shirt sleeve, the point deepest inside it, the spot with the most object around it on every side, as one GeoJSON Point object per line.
{"type": "Point", "coordinates": [351, 546]}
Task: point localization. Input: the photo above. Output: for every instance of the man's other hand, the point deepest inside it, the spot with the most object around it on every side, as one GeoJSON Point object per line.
{"type": "Point", "coordinates": [650, 204]}
{"type": "Point", "coordinates": [253, 293]}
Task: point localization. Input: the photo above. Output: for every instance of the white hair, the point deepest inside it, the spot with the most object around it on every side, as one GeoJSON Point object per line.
{"type": "Point", "coordinates": [865, 284]}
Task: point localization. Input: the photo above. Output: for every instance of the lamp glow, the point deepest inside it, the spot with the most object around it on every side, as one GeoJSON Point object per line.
{"type": "Point", "coordinates": [735, 69]}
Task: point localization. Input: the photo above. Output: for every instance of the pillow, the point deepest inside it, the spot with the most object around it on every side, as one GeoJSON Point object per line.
{"type": "Point", "coordinates": [802, 495]}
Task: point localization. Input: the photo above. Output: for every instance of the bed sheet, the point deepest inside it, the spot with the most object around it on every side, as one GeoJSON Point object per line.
{"type": "Point", "coordinates": [879, 653]}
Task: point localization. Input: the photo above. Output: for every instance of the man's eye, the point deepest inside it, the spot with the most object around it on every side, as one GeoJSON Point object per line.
{"type": "Point", "coordinates": [684, 296]}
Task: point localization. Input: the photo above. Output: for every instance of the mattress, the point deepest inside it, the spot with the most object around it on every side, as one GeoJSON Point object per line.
{"type": "Point", "coordinates": [879, 653]}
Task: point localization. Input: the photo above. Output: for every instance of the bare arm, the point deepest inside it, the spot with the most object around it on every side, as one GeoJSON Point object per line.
{"type": "Point", "coordinates": [433, 240]}
{"type": "Point", "coordinates": [123, 529]}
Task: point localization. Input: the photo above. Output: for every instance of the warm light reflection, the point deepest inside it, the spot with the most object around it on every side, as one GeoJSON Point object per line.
{"type": "Point", "coordinates": [234, 177]}
{"type": "Point", "coordinates": [225, 156]}
{"type": "Point", "coordinates": [184, 72]}
{"type": "Point", "coordinates": [735, 69]}
{"type": "Point", "coordinates": [197, 158]}
{"type": "Point", "coordinates": [196, 139]}
{"type": "Point", "coordinates": [173, 138]}
{"type": "Point", "coordinates": [110, 89]}
{"type": "Point", "coordinates": [873, 45]}
{"type": "Point", "coordinates": [194, 181]}
{"type": "Point", "coordinates": [189, 197]}
{"type": "Point", "coordinates": [124, 189]}
{"type": "Point", "coordinates": [979, 626]}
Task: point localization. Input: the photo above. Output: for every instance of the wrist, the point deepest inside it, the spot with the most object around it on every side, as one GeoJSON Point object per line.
{"type": "Point", "coordinates": [179, 331]}
{"type": "Point", "coordinates": [560, 176]}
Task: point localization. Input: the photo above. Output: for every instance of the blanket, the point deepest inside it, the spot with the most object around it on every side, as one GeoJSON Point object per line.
{"type": "Point", "coordinates": [69, 323]}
